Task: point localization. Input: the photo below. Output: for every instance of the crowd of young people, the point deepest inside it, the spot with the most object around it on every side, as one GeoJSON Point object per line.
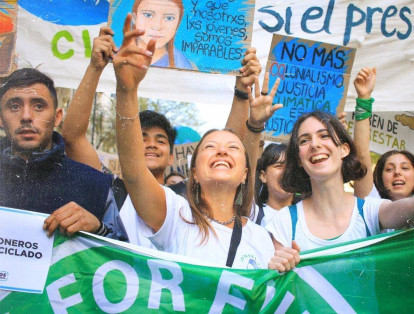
{"type": "Point", "coordinates": [238, 208]}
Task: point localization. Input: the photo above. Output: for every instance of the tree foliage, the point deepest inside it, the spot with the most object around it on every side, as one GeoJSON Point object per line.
{"type": "Point", "coordinates": [179, 113]}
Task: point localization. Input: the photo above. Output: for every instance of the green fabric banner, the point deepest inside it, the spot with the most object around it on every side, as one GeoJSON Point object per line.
{"type": "Point", "coordinates": [93, 275]}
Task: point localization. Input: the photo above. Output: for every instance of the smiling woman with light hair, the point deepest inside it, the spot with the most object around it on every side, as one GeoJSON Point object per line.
{"type": "Point", "coordinates": [212, 226]}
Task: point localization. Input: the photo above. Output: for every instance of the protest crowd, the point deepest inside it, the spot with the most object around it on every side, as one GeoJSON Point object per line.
{"type": "Point", "coordinates": [238, 200]}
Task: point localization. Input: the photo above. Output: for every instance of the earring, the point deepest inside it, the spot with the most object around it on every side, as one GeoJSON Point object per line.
{"type": "Point", "coordinates": [239, 198]}
{"type": "Point", "coordinates": [197, 193]}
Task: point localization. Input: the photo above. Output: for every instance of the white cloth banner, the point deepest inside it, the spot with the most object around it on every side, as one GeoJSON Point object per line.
{"type": "Point", "coordinates": [382, 32]}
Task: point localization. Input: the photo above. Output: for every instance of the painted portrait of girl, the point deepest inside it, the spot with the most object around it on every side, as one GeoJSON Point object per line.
{"type": "Point", "coordinates": [160, 19]}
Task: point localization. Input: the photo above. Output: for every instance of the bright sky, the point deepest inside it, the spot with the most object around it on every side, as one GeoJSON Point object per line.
{"type": "Point", "coordinates": [215, 116]}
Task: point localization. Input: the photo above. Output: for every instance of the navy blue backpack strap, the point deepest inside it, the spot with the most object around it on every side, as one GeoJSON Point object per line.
{"type": "Point", "coordinates": [294, 216]}
{"type": "Point", "coordinates": [234, 241]}
{"type": "Point", "coordinates": [260, 215]}
{"type": "Point", "coordinates": [120, 192]}
{"type": "Point", "coordinates": [360, 205]}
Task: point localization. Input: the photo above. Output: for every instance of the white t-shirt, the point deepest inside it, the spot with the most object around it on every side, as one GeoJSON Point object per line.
{"type": "Point", "coordinates": [374, 193]}
{"type": "Point", "coordinates": [134, 225]}
{"type": "Point", "coordinates": [177, 236]}
{"type": "Point", "coordinates": [267, 211]}
{"type": "Point", "coordinates": [281, 226]}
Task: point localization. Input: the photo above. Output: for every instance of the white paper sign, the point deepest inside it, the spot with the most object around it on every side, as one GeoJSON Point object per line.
{"type": "Point", "coordinates": [25, 250]}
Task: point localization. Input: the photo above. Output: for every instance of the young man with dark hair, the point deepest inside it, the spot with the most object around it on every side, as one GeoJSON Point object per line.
{"type": "Point", "coordinates": [157, 130]}
{"type": "Point", "coordinates": [159, 137]}
{"type": "Point", "coordinates": [35, 173]}
{"type": "Point", "coordinates": [150, 119]}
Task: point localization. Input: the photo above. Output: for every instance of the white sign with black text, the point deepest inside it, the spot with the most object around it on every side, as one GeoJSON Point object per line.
{"type": "Point", "coordinates": [25, 250]}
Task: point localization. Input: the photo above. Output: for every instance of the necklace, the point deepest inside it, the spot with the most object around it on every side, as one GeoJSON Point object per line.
{"type": "Point", "coordinates": [223, 222]}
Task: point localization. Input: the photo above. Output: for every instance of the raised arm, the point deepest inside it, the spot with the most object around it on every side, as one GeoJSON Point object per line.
{"type": "Point", "coordinates": [131, 65]}
{"type": "Point", "coordinates": [261, 110]}
{"type": "Point", "coordinates": [364, 84]}
{"type": "Point", "coordinates": [240, 106]}
{"type": "Point", "coordinates": [397, 214]}
{"type": "Point", "coordinates": [76, 122]}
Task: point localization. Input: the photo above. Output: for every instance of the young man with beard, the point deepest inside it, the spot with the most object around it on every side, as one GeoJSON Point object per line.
{"type": "Point", "coordinates": [35, 173]}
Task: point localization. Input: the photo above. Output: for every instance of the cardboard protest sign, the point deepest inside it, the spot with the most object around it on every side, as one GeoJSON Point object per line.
{"type": "Point", "coordinates": [110, 161]}
{"type": "Point", "coordinates": [389, 131]}
{"type": "Point", "coordinates": [314, 76]}
{"type": "Point", "coordinates": [25, 250]}
{"type": "Point", "coordinates": [202, 35]}
{"type": "Point", "coordinates": [8, 19]}
{"type": "Point", "coordinates": [182, 156]}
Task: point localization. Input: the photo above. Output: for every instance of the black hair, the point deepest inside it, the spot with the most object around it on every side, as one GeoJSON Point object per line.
{"type": "Point", "coordinates": [27, 77]}
{"type": "Point", "coordinates": [150, 119]}
{"type": "Point", "coordinates": [379, 169]}
{"type": "Point", "coordinates": [294, 178]}
{"type": "Point", "coordinates": [271, 155]}
{"type": "Point", "coordinates": [174, 173]}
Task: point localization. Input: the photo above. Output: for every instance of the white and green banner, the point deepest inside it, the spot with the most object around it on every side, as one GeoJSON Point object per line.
{"type": "Point", "coordinates": [93, 275]}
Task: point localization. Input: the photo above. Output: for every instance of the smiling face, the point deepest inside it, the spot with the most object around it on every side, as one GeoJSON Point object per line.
{"type": "Point", "coordinates": [318, 153]}
{"type": "Point", "coordinates": [28, 116]}
{"type": "Point", "coordinates": [398, 177]}
{"type": "Point", "coordinates": [221, 158]}
{"type": "Point", "coordinates": [159, 19]}
{"type": "Point", "coordinates": [157, 150]}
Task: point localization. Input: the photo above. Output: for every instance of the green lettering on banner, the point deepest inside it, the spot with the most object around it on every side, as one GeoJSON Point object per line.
{"type": "Point", "coordinates": [92, 275]}
{"type": "Point", "coordinates": [58, 54]}
{"type": "Point", "coordinates": [87, 43]}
